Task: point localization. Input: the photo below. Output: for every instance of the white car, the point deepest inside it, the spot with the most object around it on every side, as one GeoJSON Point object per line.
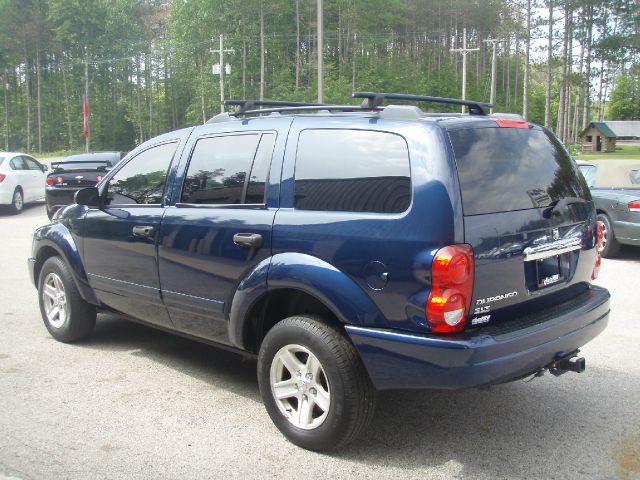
{"type": "Point", "coordinates": [22, 180]}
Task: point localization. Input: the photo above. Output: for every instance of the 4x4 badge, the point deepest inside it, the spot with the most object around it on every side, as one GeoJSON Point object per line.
{"type": "Point", "coordinates": [556, 234]}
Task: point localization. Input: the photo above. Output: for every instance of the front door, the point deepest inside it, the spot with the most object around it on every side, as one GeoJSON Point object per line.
{"type": "Point", "coordinates": [120, 239]}
{"type": "Point", "coordinates": [220, 227]}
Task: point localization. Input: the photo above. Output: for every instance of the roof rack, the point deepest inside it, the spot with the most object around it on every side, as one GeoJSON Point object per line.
{"type": "Point", "coordinates": [374, 100]}
{"type": "Point", "coordinates": [248, 107]}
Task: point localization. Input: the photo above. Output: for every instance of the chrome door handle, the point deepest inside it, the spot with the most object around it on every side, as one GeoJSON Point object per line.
{"type": "Point", "coordinates": [146, 231]}
{"type": "Point", "coordinates": [251, 240]}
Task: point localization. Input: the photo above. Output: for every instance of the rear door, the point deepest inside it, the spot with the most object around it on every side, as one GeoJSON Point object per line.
{"type": "Point", "coordinates": [21, 176]}
{"type": "Point", "coordinates": [219, 228]}
{"type": "Point", "coordinates": [528, 216]}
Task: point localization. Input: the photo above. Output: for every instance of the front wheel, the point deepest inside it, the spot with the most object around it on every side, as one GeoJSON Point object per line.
{"type": "Point", "coordinates": [313, 384]}
{"type": "Point", "coordinates": [67, 316]}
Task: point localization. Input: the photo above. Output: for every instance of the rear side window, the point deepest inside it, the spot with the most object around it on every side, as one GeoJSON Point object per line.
{"type": "Point", "coordinates": [18, 163]}
{"type": "Point", "coordinates": [352, 171]}
{"type": "Point", "coordinates": [506, 169]}
{"type": "Point", "coordinates": [142, 179]}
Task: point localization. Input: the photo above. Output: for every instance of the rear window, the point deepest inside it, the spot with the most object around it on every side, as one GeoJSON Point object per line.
{"type": "Point", "coordinates": [352, 171]}
{"type": "Point", "coordinates": [75, 166]}
{"type": "Point", "coordinates": [506, 169]}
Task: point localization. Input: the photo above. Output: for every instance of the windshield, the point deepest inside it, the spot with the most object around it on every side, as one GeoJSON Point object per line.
{"type": "Point", "coordinates": [589, 173]}
{"type": "Point", "coordinates": [506, 169]}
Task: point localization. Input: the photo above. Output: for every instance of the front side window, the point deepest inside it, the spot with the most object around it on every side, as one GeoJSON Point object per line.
{"type": "Point", "coordinates": [352, 171]}
{"type": "Point", "coordinates": [32, 164]}
{"type": "Point", "coordinates": [142, 179]}
{"type": "Point", "coordinates": [229, 170]}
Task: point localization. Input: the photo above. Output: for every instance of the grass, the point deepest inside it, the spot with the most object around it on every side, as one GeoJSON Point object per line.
{"type": "Point", "coordinates": [622, 151]}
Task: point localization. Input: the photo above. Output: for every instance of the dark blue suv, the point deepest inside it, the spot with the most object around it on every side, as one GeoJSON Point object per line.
{"type": "Point", "coordinates": [350, 249]}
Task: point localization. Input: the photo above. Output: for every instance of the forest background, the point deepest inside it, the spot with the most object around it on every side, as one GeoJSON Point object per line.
{"type": "Point", "coordinates": [147, 64]}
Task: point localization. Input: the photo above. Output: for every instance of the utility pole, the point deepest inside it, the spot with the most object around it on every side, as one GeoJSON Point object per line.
{"type": "Point", "coordinates": [527, 47]}
{"type": "Point", "coordinates": [221, 51]}
{"type": "Point", "coordinates": [494, 69]}
{"type": "Point", "coordinates": [320, 54]}
{"type": "Point", "coordinates": [547, 101]}
{"type": "Point", "coordinates": [87, 130]}
{"type": "Point", "coordinates": [464, 51]}
{"type": "Point", "coordinates": [5, 88]}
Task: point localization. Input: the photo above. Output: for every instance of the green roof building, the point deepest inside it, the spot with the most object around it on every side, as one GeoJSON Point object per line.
{"type": "Point", "coordinates": [598, 137]}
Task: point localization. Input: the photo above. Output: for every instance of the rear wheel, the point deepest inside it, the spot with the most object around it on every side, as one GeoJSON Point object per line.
{"type": "Point", "coordinates": [64, 312]}
{"type": "Point", "coordinates": [610, 246]}
{"type": "Point", "coordinates": [313, 384]}
{"type": "Point", "coordinates": [17, 201]}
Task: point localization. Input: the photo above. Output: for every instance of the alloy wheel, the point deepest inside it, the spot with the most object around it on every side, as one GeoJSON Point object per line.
{"type": "Point", "coordinates": [55, 300]}
{"type": "Point", "coordinates": [300, 386]}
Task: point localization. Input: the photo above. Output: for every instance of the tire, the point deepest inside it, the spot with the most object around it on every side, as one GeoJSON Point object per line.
{"type": "Point", "coordinates": [17, 201]}
{"type": "Point", "coordinates": [65, 314]}
{"type": "Point", "coordinates": [320, 371]}
{"type": "Point", "coordinates": [610, 246]}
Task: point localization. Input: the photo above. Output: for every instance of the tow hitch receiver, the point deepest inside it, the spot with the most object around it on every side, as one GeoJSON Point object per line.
{"type": "Point", "coordinates": [570, 363]}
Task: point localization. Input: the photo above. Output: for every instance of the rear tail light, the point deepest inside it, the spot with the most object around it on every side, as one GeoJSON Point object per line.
{"type": "Point", "coordinates": [599, 236]}
{"type": "Point", "coordinates": [634, 206]}
{"type": "Point", "coordinates": [451, 289]}
{"type": "Point", "coordinates": [98, 178]}
{"type": "Point", "coordinates": [49, 181]}
{"type": "Point", "coordinates": [2, 177]}
{"type": "Point", "coordinates": [599, 246]}
{"type": "Point", "coordinates": [596, 266]}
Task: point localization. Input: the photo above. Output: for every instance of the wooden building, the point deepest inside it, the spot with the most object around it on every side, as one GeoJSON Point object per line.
{"type": "Point", "coordinates": [598, 137]}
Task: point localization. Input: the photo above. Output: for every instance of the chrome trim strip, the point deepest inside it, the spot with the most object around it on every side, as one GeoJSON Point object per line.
{"type": "Point", "coordinates": [552, 249]}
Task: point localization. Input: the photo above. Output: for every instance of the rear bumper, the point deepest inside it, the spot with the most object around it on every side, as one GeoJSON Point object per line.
{"type": "Point", "coordinates": [6, 195]}
{"type": "Point", "coordinates": [59, 197]}
{"type": "Point", "coordinates": [31, 265]}
{"type": "Point", "coordinates": [398, 360]}
{"type": "Point", "coordinates": [627, 232]}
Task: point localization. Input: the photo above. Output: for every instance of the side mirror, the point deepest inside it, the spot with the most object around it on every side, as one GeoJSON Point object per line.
{"type": "Point", "coordinates": [89, 196]}
{"type": "Point", "coordinates": [45, 168]}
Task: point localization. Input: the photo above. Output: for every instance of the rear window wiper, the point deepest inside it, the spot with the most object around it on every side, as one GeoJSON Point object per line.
{"type": "Point", "coordinates": [560, 206]}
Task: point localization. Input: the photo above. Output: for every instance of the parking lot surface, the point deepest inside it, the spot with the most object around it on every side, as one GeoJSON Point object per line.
{"type": "Point", "coordinates": [136, 403]}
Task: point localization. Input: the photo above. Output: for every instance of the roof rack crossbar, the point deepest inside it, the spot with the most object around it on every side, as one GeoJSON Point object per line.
{"type": "Point", "coordinates": [374, 100]}
{"type": "Point", "coordinates": [300, 108]}
{"type": "Point", "coordinates": [246, 105]}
